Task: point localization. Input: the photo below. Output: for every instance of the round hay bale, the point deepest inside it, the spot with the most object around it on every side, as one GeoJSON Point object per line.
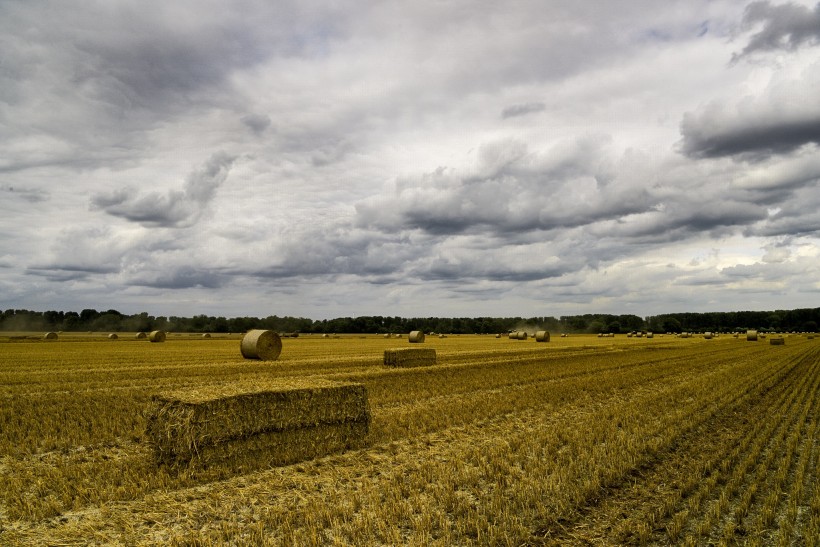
{"type": "Point", "coordinates": [513, 335]}
{"type": "Point", "coordinates": [542, 336]}
{"type": "Point", "coordinates": [156, 336]}
{"type": "Point", "coordinates": [650, 335]}
{"type": "Point", "coordinates": [708, 335]}
{"type": "Point", "coordinates": [523, 335]}
{"type": "Point", "coordinates": [261, 344]}
{"type": "Point", "coordinates": [50, 336]}
{"type": "Point", "coordinates": [777, 341]}
{"type": "Point", "coordinates": [563, 335]}
{"type": "Point", "coordinates": [206, 335]}
{"type": "Point", "coordinates": [416, 337]}
{"type": "Point", "coordinates": [140, 336]}
{"type": "Point", "coordinates": [751, 336]}
{"type": "Point", "coordinates": [113, 336]}
{"type": "Point", "coordinates": [387, 336]}
{"type": "Point", "coordinates": [498, 336]}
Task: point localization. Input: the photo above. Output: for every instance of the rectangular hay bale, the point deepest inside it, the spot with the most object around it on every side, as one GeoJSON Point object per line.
{"type": "Point", "coordinates": [409, 357]}
{"type": "Point", "coordinates": [185, 424]}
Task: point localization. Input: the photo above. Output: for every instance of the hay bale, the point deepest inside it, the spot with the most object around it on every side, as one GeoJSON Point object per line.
{"type": "Point", "coordinates": [284, 420]}
{"type": "Point", "coordinates": [498, 336]}
{"type": "Point", "coordinates": [113, 336]}
{"type": "Point", "coordinates": [156, 336]}
{"type": "Point", "coordinates": [50, 336]}
{"type": "Point", "coordinates": [416, 337]}
{"type": "Point", "coordinates": [523, 335]}
{"type": "Point", "coordinates": [650, 335]}
{"type": "Point", "coordinates": [777, 341]}
{"type": "Point", "coordinates": [751, 336]}
{"type": "Point", "coordinates": [409, 357]}
{"type": "Point", "coordinates": [708, 335]}
{"type": "Point", "coordinates": [513, 335]}
{"type": "Point", "coordinates": [206, 335]}
{"type": "Point", "coordinates": [542, 336]}
{"type": "Point", "coordinates": [261, 344]}
{"type": "Point", "coordinates": [140, 336]}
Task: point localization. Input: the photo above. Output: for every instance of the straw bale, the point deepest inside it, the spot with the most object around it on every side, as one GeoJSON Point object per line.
{"type": "Point", "coordinates": [113, 336]}
{"type": "Point", "coordinates": [182, 423]}
{"type": "Point", "coordinates": [523, 335]}
{"type": "Point", "coordinates": [751, 336]}
{"type": "Point", "coordinates": [416, 337]}
{"type": "Point", "coordinates": [156, 336]}
{"type": "Point", "coordinates": [650, 335]}
{"type": "Point", "coordinates": [140, 336]}
{"type": "Point", "coordinates": [50, 336]}
{"type": "Point", "coordinates": [409, 357]}
{"type": "Point", "coordinates": [261, 344]}
{"type": "Point", "coordinates": [513, 335]}
{"type": "Point", "coordinates": [206, 335]}
{"type": "Point", "coordinates": [708, 335]}
{"type": "Point", "coordinates": [777, 341]}
{"type": "Point", "coordinates": [542, 336]}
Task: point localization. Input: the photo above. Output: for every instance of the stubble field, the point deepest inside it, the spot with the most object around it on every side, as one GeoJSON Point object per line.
{"type": "Point", "coordinates": [579, 441]}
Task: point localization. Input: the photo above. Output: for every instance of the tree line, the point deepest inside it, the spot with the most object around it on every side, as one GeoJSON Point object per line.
{"type": "Point", "coordinates": [803, 320]}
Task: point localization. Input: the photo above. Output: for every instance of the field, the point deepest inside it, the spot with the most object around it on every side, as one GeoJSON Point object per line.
{"type": "Point", "coordinates": [578, 441]}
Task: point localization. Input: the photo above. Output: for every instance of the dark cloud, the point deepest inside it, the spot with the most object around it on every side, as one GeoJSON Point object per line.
{"type": "Point", "coordinates": [782, 27]}
{"type": "Point", "coordinates": [522, 109]}
{"type": "Point", "coordinates": [761, 136]}
{"type": "Point", "coordinates": [31, 195]}
{"type": "Point", "coordinates": [256, 122]}
{"type": "Point", "coordinates": [183, 277]}
{"type": "Point", "coordinates": [174, 208]}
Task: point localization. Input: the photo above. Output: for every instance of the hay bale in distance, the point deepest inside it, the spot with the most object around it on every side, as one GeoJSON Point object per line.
{"type": "Point", "coordinates": [751, 336]}
{"type": "Point", "coordinates": [416, 337]}
{"type": "Point", "coordinates": [650, 335]}
{"type": "Point", "coordinates": [140, 336]}
{"type": "Point", "coordinates": [113, 336]}
{"type": "Point", "coordinates": [409, 357]}
{"type": "Point", "coordinates": [282, 421]}
{"type": "Point", "coordinates": [523, 335]}
{"type": "Point", "coordinates": [777, 341]}
{"type": "Point", "coordinates": [50, 336]}
{"type": "Point", "coordinates": [206, 335]}
{"type": "Point", "coordinates": [261, 344]}
{"type": "Point", "coordinates": [708, 335]}
{"type": "Point", "coordinates": [542, 336]}
{"type": "Point", "coordinates": [156, 336]}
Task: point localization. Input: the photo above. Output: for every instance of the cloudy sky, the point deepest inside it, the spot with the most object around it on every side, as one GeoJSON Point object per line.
{"type": "Point", "coordinates": [426, 158]}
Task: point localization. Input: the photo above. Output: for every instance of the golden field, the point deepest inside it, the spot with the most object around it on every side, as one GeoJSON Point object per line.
{"type": "Point", "coordinates": [578, 441]}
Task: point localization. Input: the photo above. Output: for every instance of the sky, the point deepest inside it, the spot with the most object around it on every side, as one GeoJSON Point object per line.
{"type": "Point", "coordinates": [430, 158]}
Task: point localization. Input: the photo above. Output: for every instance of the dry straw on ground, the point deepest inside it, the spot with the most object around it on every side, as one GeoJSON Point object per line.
{"type": "Point", "coordinates": [156, 336]}
{"type": "Point", "coordinates": [264, 345]}
{"type": "Point", "coordinates": [416, 337]}
{"type": "Point", "coordinates": [542, 336]}
{"type": "Point", "coordinates": [777, 341]}
{"type": "Point", "coordinates": [281, 421]}
{"type": "Point", "coordinates": [751, 335]}
{"type": "Point", "coordinates": [409, 357]}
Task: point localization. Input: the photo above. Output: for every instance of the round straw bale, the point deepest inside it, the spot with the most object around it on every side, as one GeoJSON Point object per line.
{"type": "Point", "coordinates": [542, 336]}
{"type": "Point", "coordinates": [261, 344]}
{"type": "Point", "coordinates": [523, 335]}
{"type": "Point", "coordinates": [416, 337]}
{"type": "Point", "coordinates": [387, 336]}
{"type": "Point", "coordinates": [50, 336]}
{"type": "Point", "coordinates": [513, 335]}
{"type": "Point", "coordinates": [113, 336]}
{"type": "Point", "coordinates": [156, 336]}
{"type": "Point", "coordinates": [707, 335]}
{"type": "Point", "coordinates": [751, 336]}
{"type": "Point", "coordinates": [140, 336]}
{"type": "Point", "coordinates": [206, 335]}
{"type": "Point", "coordinates": [498, 336]}
{"type": "Point", "coordinates": [650, 335]}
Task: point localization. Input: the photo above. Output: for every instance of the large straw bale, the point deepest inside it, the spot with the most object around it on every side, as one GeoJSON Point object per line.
{"type": "Point", "coordinates": [113, 336]}
{"type": "Point", "coordinates": [542, 336]}
{"type": "Point", "coordinates": [140, 336]}
{"type": "Point", "coordinates": [523, 335]}
{"type": "Point", "coordinates": [416, 337]}
{"type": "Point", "coordinates": [156, 336]}
{"type": "Point", "coordinates": [261, 344]}
{"type": "Point", "coordinates": [650, 335]}
{"type": "Point", "coordinates": [183, 423]}
{"type": "Point", "coordinates": [50, 336]}
{"type": "Point", "coordinates": [751, 336]}
{"type": "Point", "coordinates": [409, 357]}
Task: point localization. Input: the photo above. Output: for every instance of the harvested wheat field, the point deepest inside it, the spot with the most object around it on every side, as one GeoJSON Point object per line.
{"type": "Point", "coordinates": [582, 441]}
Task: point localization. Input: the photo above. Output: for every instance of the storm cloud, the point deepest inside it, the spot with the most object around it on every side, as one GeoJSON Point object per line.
{"type": "Point", "coordinates": [428, 158]}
